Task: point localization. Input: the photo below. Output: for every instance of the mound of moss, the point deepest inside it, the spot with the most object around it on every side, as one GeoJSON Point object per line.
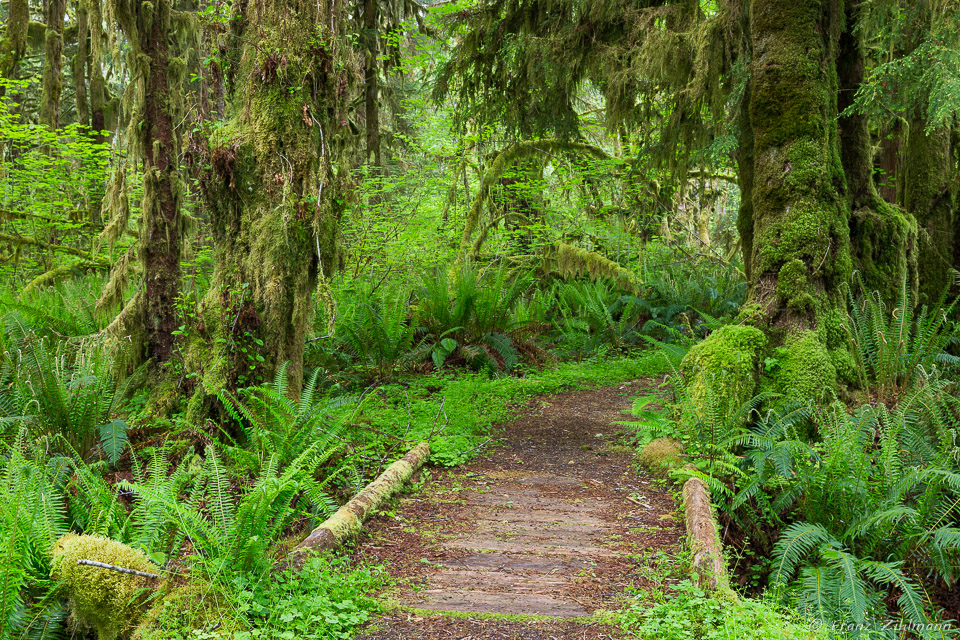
{"type": "Point", "coordinates": [109, 602]}
{"type": "Point", "coordinates": [189, 607]}
{"type": "Point", "coordinates": [721, 373]}
{"type": "Point", "coordinates": [661, 455]}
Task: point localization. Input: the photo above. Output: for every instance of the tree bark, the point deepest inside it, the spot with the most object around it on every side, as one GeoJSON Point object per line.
{"type": "Point", "coordinates": [54, 14]}
{"type": "Point", "coordinates": [275, 183]}
{"type": "Point", "coordinates": [149, 28]}
{"type": "Point", "coordinates": [371, 79]}
{"type": "Point", "coordinates": [928, 193]}
{"type": "Point", "coordinates": [160, 236]}
{"type": "Point", "coordinates": [80, 64]}
{"type": "Point", "coordinates": [882, 236]}
{"type": "Point", "coordinates": [14, 44]}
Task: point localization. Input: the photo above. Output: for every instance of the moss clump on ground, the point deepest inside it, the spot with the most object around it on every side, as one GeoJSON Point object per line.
{"type": "Point", "coordinates": [194, 606]}
{"type": "Point", "coordinates": [661, 455]}
{"type": "Point", "coordinates": [806, 368]}
{"type": "Point", "coordinates": [724, 366]}
{"type": "Point", "coordinates": [107, 601]}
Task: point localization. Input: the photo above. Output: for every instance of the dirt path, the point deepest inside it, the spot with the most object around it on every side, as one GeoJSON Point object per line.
{"type": "Point", "coordinates": [555, 523]}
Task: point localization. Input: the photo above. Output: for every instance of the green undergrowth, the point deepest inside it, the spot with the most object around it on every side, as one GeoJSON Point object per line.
{"type": "Point", "coordinates": [329, 598]}
{"type": "Point", "coordinates": [689, 612]}
{"type": "Point", "coordinates": [457, 411]}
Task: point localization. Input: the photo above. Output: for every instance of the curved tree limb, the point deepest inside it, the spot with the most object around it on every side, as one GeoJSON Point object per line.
{"type": "Point", "coordinates": [503, 161]}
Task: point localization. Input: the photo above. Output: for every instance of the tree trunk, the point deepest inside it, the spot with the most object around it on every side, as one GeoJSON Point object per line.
{"type": "Point", "coordinates": [275, 185]}
{"type": "Point", "coordinates": [160, 235]}
{"type": "Point", "coordinates": [80, 64]}
{"type": "Point", "coordinates": [882, 236]}
{"type": "Point", "coordinates": [928, 193]}
{"type": "Point", "coordinates": [372, 80]}
{"type": "Point", "coordinates": [54, 13]}
{"type": "Point", "coordinates": [801, 246]}
{"type": "Point", "coordinates": [14, 44]}
{"type": "Point", "coordinates": [149, 27]}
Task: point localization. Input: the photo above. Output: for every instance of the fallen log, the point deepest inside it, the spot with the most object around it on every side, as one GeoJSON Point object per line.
{"type": "Point", "coordinates": [703, 537]}
{"type": "Point", "coordinates": [348, 520]}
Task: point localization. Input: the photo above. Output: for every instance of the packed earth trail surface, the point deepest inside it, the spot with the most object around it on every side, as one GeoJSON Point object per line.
{"type": "Point", "coordinates": [529, 541]}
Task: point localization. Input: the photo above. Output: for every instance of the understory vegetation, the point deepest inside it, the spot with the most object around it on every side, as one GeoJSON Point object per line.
{"type": "Point", "coordinates": [252, 252]}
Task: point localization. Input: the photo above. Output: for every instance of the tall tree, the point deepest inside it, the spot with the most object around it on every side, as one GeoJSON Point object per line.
{"type": "Point", "coordinates": [150, 27]}
{"type": "Point", "coordinates": [54, 14]}
{"type": "Point", "coordinates": [275, 187]}
{"type": "Point", "coordinates": [14, 44]}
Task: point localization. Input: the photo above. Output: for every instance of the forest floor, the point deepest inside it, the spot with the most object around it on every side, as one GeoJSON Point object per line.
{"type": "Point", "coordinates": [533, 539]}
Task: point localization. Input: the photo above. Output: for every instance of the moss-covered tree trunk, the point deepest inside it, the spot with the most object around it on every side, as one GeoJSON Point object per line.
{"type": "Point", "coordinates": [929, 194]}
{"type": "Point", "coordinates": [14, 44]}
{"type": "Point", "coordinates": [80, 64]}
{"type": "Point", "coordinates": [275, 187]}
{"type": "Point", "coordinates": [801, 246]}
{"type": "Point", "coordinates": [98, 85]}
{"type": "Point", "coordinates": [371, 80]}
{"type": "Point", "coordinates": [883, 237]}
{"type": "Point", "coordinates": [150, 28]}
{"type": "Point", "coordinates": [54, 14]}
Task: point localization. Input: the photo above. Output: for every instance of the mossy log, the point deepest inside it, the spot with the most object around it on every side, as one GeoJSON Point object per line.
{"type": "Point", "coordinates": [703, 537]}
{"type": "Point", "coordinates": [346, 522]}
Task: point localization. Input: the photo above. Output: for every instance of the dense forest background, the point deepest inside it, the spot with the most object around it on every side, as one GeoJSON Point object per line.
{"type": "Point", "coordinates": [251, 250]}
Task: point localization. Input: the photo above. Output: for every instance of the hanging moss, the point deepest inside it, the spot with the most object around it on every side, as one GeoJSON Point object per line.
{"type": "Point", "coordinates": [106, 601]}
{"type": "Point", "coordinates": [569, 261]}
{"type": "Point", "coordinates": [495, 171]}
{"type": "Point", "coordinates": [275, 180]}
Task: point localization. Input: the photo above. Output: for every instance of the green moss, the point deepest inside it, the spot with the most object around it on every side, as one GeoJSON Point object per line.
{"type": "Point", "coordinates": [661, 455]}
{"type": "Point", "coordinates": [190, 607]}
{"type": "Point", "coordinates": [107, 601]}
{"type": "Point", "coordinates": [806, 368]}
{"type": "Point", "coordinates": [794, 287]}
{"type": "Point", "coordinates": [884, 243]}
{"type": "Point", "coordinates": [729, 358]}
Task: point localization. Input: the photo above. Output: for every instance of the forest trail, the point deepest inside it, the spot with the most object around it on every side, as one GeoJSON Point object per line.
{"type": "Point", "coordinates": [531, 539]}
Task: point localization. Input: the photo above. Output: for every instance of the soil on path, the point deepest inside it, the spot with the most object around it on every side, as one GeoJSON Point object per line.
{"type": "Point", "coordinates": [554, 523]}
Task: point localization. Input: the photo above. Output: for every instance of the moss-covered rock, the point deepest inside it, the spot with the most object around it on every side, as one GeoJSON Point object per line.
{"type": "Point", "coordinates": [806, 368]}
{"type": "Point", "coordinates": [661, 455]}
{"type": "Point", "coordinates": [726, 365]}
{"type": "Point", "coordinates": [107, 601]}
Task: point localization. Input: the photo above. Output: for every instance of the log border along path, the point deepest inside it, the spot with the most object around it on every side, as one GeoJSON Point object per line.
{"type": "Point", "coordinates": [534, 538]}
